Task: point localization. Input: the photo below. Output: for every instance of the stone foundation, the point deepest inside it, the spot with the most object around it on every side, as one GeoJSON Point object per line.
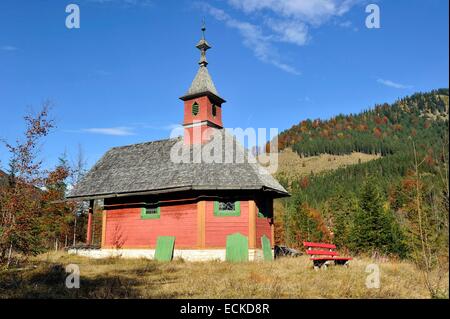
{"type": "Point", "coordinates": [188, 255]}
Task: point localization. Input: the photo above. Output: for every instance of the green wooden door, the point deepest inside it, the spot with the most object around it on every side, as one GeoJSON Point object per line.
{"type": "Point", "coordinates": [267, 249]}
{"type": "Point", "coordinates": [237, 248]}
{"type": "Point", "coordinates": [164, 248]}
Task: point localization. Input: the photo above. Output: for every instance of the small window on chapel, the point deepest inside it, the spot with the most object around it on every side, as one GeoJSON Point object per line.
{"type": "Point", "coordinates": [227, 208]}
{"type": "Point", "coordinates": [150, 212]}
{"type": "Point", "coordinates": [195, 109]}
{"type": "Point", "coordinates": [214, 110]}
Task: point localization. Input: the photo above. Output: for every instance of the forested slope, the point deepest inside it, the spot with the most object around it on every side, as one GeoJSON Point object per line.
{"type": "Point", "coordinates": [381, 194]}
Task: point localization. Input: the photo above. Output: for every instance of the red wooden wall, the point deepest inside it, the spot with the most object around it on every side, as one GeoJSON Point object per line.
{"type": "Point", "coordinates": [176, 220]}
{"type": "Point", "coordinates": [205, 111]}
{"type": "Point", "coordinates": [218, 228]}
{"type": "Point", "coordinates": [263, 228]}
{"type": "Point", "coordinates": [126, 229]}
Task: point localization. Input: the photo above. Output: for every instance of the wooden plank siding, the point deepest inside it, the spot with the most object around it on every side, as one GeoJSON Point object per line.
{"type": "Point", "coordinates": [201, 215]}
{"type": "Point", "coordinates": [126, 229]}
{"type": "Point", "coordinates": [103, 228]}
{"type": "Point", "coordinates": [192, 223]}
{"type": "Point", "coordinates": [218, 228]}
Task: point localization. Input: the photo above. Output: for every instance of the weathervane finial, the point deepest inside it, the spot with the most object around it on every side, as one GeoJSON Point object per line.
{"type": "Point", "coordinates": [203, 28]}
{"type": "Point", "coordinates": [203, 46]}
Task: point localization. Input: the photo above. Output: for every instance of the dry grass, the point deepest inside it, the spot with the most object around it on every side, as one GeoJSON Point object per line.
{"type": "Point", "coordinates": [293, 166]}
{"type": "Point", "coordinates": [44, 277]}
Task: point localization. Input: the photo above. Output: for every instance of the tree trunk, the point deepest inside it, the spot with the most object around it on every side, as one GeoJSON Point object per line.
{"type": "Point", "coordinates": [75, 230]}
{"type": "Point", "coordinates": [9, 256]}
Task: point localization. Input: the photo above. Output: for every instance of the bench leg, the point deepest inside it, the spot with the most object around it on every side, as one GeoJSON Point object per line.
{"type": "Point", "coordinates": [345, 263]}
{"type": "Point", "coordinates": [318, 264]}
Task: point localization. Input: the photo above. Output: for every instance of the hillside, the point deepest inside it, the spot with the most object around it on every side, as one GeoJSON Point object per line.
{"type": "Point", "coordinates": [340, 170]}
{"type": "Point", "coordinates": [381, 130]}
{"type": "Point", "coordinates": [293, 166]}
{"type": "Point", "coordinates": [384, 133]}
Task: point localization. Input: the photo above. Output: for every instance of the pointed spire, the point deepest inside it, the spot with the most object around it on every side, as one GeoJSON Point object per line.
{"type": "Point", "coordinates": [203, 84]}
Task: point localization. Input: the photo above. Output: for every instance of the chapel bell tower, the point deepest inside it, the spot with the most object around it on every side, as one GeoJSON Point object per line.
{"type": "Point", "coordinates": [202, 103]}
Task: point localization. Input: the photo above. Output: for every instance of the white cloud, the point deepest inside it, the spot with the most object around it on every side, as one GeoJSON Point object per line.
{"type": "Point", "coordinates": [113, 131]}
{"type": "Point", "coordinates": [394, 85]}
{"type": "Point", "coordinates": [310, 11]}
{"type": "Point", "coordinates": [172, 127]}
{"type": "Point", "coordinates": [290, 31]}
{"type": "Point", "coordinates": [253, 38]}
{"type": "Point", "coordinates": [9, 48]}
{"type": "Point", "coordinates": [288, 21]}
{"type": "Point", "coordinates": [130, 129]}
{"type": "Point", "coordinates": [293, 17]}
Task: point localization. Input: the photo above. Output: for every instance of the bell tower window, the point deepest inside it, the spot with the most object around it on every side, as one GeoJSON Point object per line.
{"type": "Point", "coordinates": [195, 109]}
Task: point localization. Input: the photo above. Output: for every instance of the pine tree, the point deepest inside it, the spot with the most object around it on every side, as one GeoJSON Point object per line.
{"type": "Point", "coordinates": [375, 228]}
{"type": "Point", "coordinates": [341, 209]}
{"type": "Point", "coordinates": [302, 223]}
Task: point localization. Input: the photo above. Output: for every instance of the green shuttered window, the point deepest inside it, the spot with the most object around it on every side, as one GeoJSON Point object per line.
{"type": "Point", "coordinates": [150, 212]}
{"type": "Point", "coordinates": [227, 208]}
{"type": "Point", "coordinates": [195, 109]}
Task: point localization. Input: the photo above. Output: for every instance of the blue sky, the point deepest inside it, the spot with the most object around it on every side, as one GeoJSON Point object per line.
{"type": "Point", "coordinates": [117, 79]}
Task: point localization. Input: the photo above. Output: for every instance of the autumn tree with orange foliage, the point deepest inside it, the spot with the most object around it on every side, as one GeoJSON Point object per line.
{"type": "Point", "coordinates": [29, 215]}
{"type": "Point", "coordinates": [424, 206]}
{"type": "Point", "coordinates": [302, 222]}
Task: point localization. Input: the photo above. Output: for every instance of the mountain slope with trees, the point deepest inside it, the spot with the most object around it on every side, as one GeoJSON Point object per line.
{"type": "Point", "coordinates": [394, 205]}
{"type": "Point", "coordinates": [381, 130]}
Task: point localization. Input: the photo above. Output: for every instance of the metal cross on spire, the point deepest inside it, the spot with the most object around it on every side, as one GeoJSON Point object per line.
{"type": "Point", "coordinates": [203, 28]}
{"type": "Point", "coordinates": [202, 83]}
{"type": "Point", "coordinates": [203, 46]}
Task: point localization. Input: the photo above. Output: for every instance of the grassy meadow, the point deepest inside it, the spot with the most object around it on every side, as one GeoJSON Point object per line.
{"type": "Point", "coordinates": [44, 277]}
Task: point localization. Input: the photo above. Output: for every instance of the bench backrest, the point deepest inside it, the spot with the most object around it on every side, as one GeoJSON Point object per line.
{"type": "Point", "coordinates": [318, 245]}
{"type": "Point", "coordinates": [319, 249]}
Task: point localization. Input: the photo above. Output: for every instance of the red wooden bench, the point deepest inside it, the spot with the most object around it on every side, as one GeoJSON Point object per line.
{"type": "Point", "coordinates": [324, 254]}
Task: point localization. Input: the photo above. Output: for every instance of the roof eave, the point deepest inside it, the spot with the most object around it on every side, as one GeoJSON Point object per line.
{"type": "Point", "coordinates": [177, 189]}
{"type": "Point", "coordinates": [280, 193]}
{"type": "Point", "coordinates": [212, 96]}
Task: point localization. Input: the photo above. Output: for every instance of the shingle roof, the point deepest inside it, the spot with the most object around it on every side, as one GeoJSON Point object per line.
{"type": "Point", "coordinates": [202, 83]}
{"type": "Point", "coordinates": [148, 168]}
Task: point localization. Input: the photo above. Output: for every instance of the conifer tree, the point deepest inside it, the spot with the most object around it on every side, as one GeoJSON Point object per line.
{"type": "Point", "coordinates": [341, 209]}
{"type": "Point", "coordinates": [375, 228]}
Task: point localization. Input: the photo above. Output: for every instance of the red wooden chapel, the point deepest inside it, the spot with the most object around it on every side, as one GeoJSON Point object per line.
{"type": "Point", "coordinates": [146, 194]}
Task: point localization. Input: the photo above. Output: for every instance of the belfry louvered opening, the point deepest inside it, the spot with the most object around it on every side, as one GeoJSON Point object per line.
{"type": "Point", "coordinates": [195, 109]}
